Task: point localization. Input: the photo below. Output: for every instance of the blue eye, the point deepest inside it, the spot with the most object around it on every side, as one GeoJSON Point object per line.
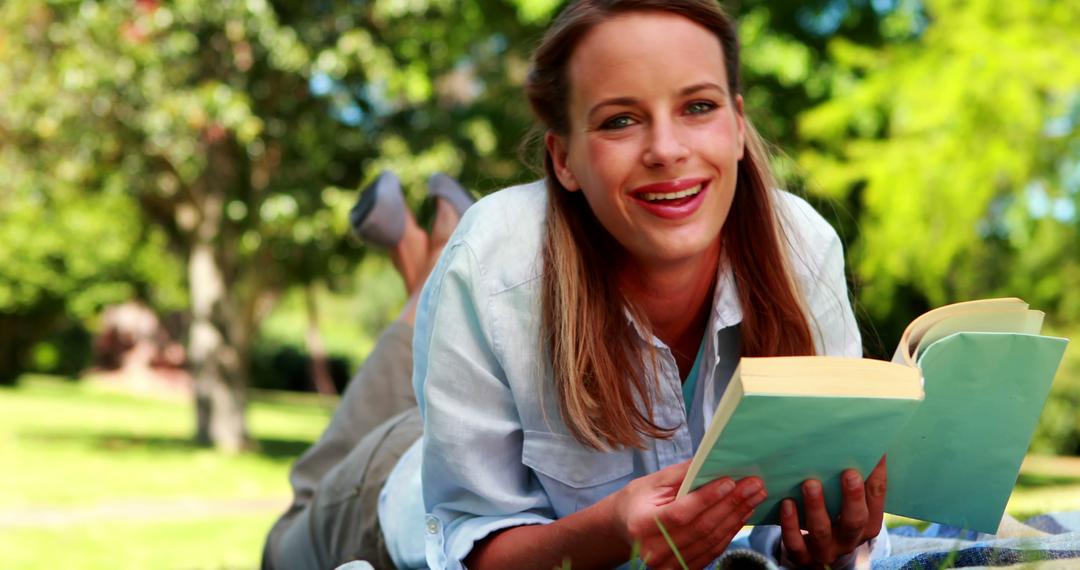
{"type": "Point", "coordinates": [618, 122]}
{"type": "Point", "coordinates": [700, 107]}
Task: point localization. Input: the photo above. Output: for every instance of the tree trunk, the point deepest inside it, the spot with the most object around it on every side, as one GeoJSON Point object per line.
{"type": "Point", "coordinates": [320, 366]}
{"type": "Point", "coordinates": [218, 365]}
{"type": "Point", "coordinates": [220, 337]}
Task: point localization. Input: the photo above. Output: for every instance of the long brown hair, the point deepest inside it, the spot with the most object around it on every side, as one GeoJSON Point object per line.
{"type": "Point", "coordinates": [599, 367]}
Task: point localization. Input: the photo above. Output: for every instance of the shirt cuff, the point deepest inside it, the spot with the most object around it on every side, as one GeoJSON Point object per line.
{"type": "Point", "coordinates": [448, 547]}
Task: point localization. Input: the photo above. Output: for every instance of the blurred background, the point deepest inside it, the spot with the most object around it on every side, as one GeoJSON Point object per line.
{"type": "Point", "coordinates": [180, 302]}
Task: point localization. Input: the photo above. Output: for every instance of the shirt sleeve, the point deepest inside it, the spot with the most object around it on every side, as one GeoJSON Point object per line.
{"type": "Point", "coordinates": [832, 319]}
{"type": "Point", "coordinates": [817, 262]}
{"type": "Point", "coordinates": [474, 481]}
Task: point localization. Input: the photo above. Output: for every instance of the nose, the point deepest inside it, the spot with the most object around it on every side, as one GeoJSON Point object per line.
{"type": "Point", "coordinates": [665, 145]}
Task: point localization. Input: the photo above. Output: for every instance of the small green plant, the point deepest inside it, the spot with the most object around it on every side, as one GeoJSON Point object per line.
{"type": "Point", "coordinates": [950, 559]}
{"type": "Point", "coordinates": [636, 563]}
{"type": "Point", "coordinates": [671, 544]}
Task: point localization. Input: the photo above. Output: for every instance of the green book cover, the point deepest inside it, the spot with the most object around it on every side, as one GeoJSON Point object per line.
{"type": "Point", "coordinates": [773, 437]}
{"type": "Point", "coordinates": [953, 453]}
{"type": "Point", "coordinates": [786, 434]}
{"type": "Point", "coordinates": [957, 461]}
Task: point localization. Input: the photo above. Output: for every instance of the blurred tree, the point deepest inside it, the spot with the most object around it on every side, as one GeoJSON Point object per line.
{"type": "Point", "coordinates": [242, 128]}
{"type": "Point", "coordinates": [65, 255]}
{"type": "Point", "coordinates": [961, 148]}
{"type": "Point", "coordinates": [230, 138]}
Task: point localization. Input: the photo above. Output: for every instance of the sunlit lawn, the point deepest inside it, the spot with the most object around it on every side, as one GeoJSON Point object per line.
{"type": "Point", "coordinates": [105, 458]}
{"type": "Point", "coordinates": [96, 479]}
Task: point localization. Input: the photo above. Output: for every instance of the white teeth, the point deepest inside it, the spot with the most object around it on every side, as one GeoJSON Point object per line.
{"type": "Point", "coordinates": [650, 196]}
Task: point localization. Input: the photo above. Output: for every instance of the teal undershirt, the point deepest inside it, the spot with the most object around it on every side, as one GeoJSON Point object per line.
{"type": "Point", "coordinates": [690, 382]}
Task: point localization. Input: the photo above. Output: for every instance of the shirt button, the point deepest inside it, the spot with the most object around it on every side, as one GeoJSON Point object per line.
{"type": "Point", "coordinates": [432, 525]}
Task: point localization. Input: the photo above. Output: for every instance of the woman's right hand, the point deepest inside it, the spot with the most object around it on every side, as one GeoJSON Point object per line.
{"type": "Point", "coordinates": [701, 524]}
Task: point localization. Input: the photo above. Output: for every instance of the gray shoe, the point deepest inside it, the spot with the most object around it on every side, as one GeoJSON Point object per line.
{"type": "Point", "coordinates": [378, 218]}
{"type": "Point", "coordinates": [445, 187]}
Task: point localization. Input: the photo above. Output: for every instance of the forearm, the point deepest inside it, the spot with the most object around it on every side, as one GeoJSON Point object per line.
{"type": "Point", "coordinates": [586, 538]}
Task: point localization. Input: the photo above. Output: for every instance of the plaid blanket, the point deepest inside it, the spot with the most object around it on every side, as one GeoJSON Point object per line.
{"type": "Point", "coordinates": [1045, 542]}
{"type": "Point", "coordinates": [1050, 541]}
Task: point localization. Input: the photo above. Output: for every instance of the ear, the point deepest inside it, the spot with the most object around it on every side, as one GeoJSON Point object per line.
{"type": "Point", "coordinates": [740, 118]}
{"type": "Point", "coordinates": [557, 149]}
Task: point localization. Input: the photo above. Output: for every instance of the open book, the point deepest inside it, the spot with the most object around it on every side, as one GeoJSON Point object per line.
{"type": "Point", "coordinates": [954, 413]}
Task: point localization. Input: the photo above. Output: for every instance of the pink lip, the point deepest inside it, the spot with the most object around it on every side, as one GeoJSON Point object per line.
{"type": "Point", "coordinates": [672, 211]}
{"type": "Point", "coordinates": [669, 186]}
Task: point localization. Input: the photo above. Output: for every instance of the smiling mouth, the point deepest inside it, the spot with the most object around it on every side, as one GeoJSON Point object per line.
{"type": "Point", "coordinates": [665, 196]}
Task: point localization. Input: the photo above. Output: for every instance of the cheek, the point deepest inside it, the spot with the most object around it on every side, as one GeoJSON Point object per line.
{"type": "Point", "coordinates": [722, 143]}
{"type": "Point", "coordinates": [607, 163]}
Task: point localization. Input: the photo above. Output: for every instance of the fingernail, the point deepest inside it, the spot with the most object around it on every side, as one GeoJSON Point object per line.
{"type": "Point", "coordinates": [758, 498]}
{"type": "Point", "coordinates": [812, 489]}
{"type": "Point", "coordinates": [852, 480]}
{"type": "Point", "coordinates": [726, 486]}
{"type": "Point", "coordinates": [752, 488]}
{"type": "Point", "coordinates": [786, 509]}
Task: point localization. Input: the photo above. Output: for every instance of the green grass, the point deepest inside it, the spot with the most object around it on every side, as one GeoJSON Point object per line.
{"type": "Point", "coordinates": [226, 542]}
{"type": "Point", "coordinates": [76, 448]}
{"type": "Point", "coordinates": [100, 479]}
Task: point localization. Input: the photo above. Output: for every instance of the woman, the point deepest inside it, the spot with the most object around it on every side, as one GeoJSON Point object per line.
{"type": "Point", "coordinates": [556, 339]}
{"type": "Point", "coordinates": [577, 333]}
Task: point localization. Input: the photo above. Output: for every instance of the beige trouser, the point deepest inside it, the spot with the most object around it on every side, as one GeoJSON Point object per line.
{"type": "Point", "coordinates": [334, 515]}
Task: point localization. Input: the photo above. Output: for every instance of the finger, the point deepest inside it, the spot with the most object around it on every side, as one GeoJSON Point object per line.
{"type": "Point", "coordinates": [728, 510]}
{"type": "Point", "coordinates": [851, 524]}
{"type": "Point", "coordinates": [686, 512]}
{"type": "Point", "coordinates": [817, 521]}
{"type": "Point", "coordinates": [792, 535]}
{"type": "Point", "coordinates": [691, 528]}
{"type": "Point", "coordinates": [718, 524]}
{"type": "Point", "coordinates": [704, 559]}
{"type": "Point", "coordinates": [722, 537]}
{"type": "Point", "coordinates": [876, 485]}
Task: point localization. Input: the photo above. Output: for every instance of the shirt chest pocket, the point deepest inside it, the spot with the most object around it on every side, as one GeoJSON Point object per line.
{"type": "Point", "coordinates": [574, 476]}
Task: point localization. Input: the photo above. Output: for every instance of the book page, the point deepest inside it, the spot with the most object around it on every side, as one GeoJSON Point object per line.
{"type": "Point", "coordinates": [905, 351]}
{"type": "Point", "coordinates": [829, 376]}
{"type": "Point", "coordinates": [1026, 322]}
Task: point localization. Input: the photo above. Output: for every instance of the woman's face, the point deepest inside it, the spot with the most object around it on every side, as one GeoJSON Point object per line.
{"type": "Point", "coordinates": [655, 137]}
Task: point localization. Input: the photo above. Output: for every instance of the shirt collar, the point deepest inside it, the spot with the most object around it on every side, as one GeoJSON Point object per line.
{"type": "Point", "coordinates": [726, 310]}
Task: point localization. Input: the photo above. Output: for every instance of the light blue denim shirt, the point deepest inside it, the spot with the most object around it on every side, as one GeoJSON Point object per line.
{"type": "Point", "coordinates": [495, 452]}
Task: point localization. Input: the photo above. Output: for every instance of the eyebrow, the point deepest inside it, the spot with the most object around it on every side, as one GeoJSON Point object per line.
{"type": "Point", "coordinates": [628, 101]}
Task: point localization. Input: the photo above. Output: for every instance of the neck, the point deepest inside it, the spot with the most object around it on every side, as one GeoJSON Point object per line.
{"type": "Point", "coordinates": [676, 298]}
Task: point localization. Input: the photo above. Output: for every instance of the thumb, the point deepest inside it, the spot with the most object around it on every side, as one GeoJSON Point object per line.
{"type": "Point", "coordinates": [673, 474]}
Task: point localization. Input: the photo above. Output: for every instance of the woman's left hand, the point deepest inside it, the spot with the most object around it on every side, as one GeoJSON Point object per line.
{"type": "Point", "coordinates": [826, 540]}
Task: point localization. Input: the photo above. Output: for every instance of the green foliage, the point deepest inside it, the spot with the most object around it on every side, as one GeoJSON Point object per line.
{"type": "Point", "coordinates": [86, 250]}
{"type": "Point", "coordinates": [941, 137]}
{"type": "Point", "coordinates": [240, 130]}
{"type": "Point", "coordinates": [942, 141]}
{"type": "Point", "coordinates": [129, 98]}
{"type": "Point", "coordinates": [65, 255]}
